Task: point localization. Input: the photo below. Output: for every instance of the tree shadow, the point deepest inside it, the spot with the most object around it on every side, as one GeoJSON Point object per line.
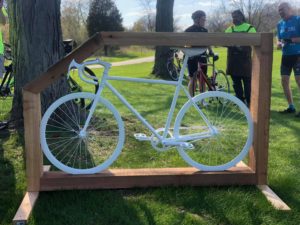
{"type": "Point", "coordinates": [7, 180]}
{"type": "Point", "coordinates": [168, 205]}
{"type": "Point", "coordinates": [88, 208]}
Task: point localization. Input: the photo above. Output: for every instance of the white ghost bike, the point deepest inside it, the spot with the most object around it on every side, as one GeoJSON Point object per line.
{"type": "Point", "coordinates": [213, 131]}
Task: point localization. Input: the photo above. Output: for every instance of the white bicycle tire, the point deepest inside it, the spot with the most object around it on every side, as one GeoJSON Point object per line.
{"type": "Point", "coordinates": [245, 148]}
{"type": "Point", "coordinates": [62, 166]}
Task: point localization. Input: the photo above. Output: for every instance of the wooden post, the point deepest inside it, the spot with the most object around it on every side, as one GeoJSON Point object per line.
{"type": "Point", "coordinates": [34, 157]}
{"type": "Point", "coordinates": [260, 105]}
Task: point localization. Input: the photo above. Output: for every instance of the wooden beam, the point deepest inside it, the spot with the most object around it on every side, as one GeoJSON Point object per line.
{"type": "Point", "coordinates": [180, 39]}
{"type": "Point", "coordinates": [25, 208]}
{"type": "Point", "coordinates": [132, 178]}
{"type": "Point", "coordinates": [273, 198]}
{"type": "Point", "coordinates": [59, 69]}
{"type": "Point", "coordinates": [34, 157]}
{"type": "Point", "coordinates": [260, 106]}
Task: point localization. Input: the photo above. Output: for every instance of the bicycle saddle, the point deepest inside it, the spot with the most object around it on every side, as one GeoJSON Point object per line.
{"type": "Point", "coordinates": [193, 51]}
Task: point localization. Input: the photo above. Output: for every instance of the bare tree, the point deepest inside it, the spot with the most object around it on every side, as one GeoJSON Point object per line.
{"type": "Point", "coordinates": [262, 14]}
{"type": "Point", "coordinates": [142, 24]}
{"type": "Point", "coordinates": [73, 19]}
{"type": "Point", "coordinates": [148, 7]}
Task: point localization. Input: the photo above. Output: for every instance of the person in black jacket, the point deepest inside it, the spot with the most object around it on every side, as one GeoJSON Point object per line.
{"type": "Point", "coordinates": [199, 18]}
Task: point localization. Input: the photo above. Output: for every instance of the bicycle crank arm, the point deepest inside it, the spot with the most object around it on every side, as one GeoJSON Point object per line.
{"type": "Point", "coordinates": [142, 137]}
{"type": "Point", "coordinates": [185, 145]}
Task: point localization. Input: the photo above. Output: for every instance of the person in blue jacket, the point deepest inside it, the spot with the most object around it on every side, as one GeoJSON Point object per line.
{"type": "Point", "coordinates": [288, 31]}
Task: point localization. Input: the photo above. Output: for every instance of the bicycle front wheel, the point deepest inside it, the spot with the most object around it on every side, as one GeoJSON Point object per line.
{"type": "Point", "coordinates": [222, 82]}
{"type": "Point", "coordinates": [221, 145]}
{"type": "Point", "coordinates": [71, 149]}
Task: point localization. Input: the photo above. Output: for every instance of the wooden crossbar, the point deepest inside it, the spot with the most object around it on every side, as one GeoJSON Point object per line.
{"type": "Point", "coordinates": [146, 177]}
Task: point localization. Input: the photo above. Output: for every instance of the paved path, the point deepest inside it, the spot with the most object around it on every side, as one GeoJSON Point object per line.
{"type": "Point", "coordinates": [129, 62]}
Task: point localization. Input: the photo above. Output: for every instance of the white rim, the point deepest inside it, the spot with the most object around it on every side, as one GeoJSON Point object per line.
{"type": "Point", "coordinates": [242, 153]}
{"type": "Point", "coordinates": [68, 169]}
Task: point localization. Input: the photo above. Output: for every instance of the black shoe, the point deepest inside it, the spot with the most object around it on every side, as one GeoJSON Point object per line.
{"type": "Point", "coordinates": [288, 110]}
{"type": "Point", "coordinates": [297, 115]}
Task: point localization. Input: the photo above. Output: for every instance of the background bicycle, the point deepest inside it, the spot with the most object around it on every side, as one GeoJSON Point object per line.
{"type": "Point", "coordinates": [6, 88]}
{"type": "Point", "coordinates": [174, 63]}
{"type": "Point", "coordinates": [69, 45]}
{"type": "Point", "coordinates": [214, 80]}
{"type": "Point", "coordinates": [7, 84]}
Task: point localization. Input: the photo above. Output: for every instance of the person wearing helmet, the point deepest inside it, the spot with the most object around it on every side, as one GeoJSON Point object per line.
{"type": "Point", "coordinates": [199, 18]}
{"type": "Point", "coordinates": [3, 19]}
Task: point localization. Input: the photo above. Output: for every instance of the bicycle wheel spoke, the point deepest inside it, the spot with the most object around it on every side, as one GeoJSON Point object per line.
{"type": "Point", "coordinates": [77, 150]}
{"type": "Point", "coordinates": [229, 137]}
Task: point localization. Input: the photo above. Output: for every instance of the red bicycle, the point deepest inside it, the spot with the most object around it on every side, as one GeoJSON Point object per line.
{"type": "Point", "coordinates": [217, 81]}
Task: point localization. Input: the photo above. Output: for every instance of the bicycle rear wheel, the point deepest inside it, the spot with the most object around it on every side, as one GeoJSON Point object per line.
{"type": "Point", "coordinates": [173, 70]}
{"type": "Point", "coordinates": [77, 152]}
{"type": "Point", "coordinates": [221, 82]}
{"type": "Point", "coordinates": [231, 122]}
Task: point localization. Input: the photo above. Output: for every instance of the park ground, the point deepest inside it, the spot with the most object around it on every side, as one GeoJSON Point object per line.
{"type": "Point", "coordinates": [168, 205]}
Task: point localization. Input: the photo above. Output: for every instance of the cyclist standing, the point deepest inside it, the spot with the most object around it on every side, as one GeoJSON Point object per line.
{"type": "Point", "coordinates": [289, 40]}
{"type": "Point", "coordinates": [3, 18]}
{"type": "Point", "coordinates": [199, 18]}
{"type": "Point", "coordinates": [239, 63]}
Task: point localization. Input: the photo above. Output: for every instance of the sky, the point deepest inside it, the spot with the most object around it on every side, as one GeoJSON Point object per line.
{"type": "Point", "coordinates": [131, 10]}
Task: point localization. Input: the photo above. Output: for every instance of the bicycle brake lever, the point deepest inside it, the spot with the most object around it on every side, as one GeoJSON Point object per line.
{"type": "Point", "coordinates": [73, 65]}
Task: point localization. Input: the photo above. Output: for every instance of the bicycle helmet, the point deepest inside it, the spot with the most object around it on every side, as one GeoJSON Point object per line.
{"type": "Point", "coordinates": [197, 14]}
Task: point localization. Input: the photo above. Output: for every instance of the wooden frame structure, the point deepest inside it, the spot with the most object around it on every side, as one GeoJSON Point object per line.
{"type": "Point", "coordinates": [39, 179]}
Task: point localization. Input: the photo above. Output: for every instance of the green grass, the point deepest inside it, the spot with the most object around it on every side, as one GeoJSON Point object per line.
{"type": "Point", "coordinates": [126, 53]}
{"type": "Point", "coordinates": [169, 205]}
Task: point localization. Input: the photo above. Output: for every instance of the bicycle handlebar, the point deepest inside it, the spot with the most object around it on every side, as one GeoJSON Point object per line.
{"type": "Point", "coordinates": [81, 72]}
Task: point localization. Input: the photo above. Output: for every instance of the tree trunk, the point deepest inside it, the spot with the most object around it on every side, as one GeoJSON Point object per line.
{"type": "Point", "coordinates": [36, 40]}
{"type": "Point", "coordinates": [164, 23]}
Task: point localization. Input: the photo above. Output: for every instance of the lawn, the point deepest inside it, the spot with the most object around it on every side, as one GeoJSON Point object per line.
{"type": "Point", "coordinates": [168, 205]}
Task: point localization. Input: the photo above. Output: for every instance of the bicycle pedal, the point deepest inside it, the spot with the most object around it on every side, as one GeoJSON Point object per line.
{"type": "Point", "coordinates": [186, 145]}
{"type": "Point", "coordinates": [141, 137]}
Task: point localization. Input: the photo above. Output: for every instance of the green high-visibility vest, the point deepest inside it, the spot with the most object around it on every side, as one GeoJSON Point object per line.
{"type": "Point", "coordinates": [1, 39]}
{"type": "Point", "coordinates": [244, 27]}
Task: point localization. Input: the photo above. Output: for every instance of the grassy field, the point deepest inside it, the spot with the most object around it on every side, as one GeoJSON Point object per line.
{"type": "Point", "coordinates": [126, 53]}
{"type": "Point", "coordinates": [169, 205]}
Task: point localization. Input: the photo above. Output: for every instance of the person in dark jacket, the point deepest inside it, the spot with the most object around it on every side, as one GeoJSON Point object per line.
{"type": "Point", "coordinates": [239, 62]}
{"type": "Point", "coordinates": [199, 18]}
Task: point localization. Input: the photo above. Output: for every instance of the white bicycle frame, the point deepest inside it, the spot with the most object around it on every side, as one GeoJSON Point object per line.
{"type": "Point", "coordinates": [182, 140]}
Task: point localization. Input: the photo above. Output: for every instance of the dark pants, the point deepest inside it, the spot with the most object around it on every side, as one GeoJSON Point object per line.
{"type": "Point", "coordinates": [242, 88]}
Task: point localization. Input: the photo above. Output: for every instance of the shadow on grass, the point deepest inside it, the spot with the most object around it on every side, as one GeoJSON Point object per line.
{"type": "Point", "coordinates": [170, 205]}
{"type": "Point", "coordinates": [7, 180]}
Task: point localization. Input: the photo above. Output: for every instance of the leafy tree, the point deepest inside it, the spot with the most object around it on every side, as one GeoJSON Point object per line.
{"type": "Point", "coordinates": [104, 16]}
